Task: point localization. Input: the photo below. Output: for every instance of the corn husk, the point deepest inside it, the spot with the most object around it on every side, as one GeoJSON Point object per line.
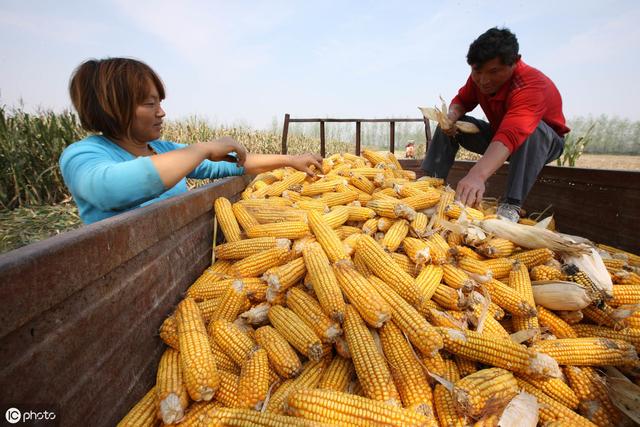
{"type": "Point", "coordinates": [560, 295]}
{"type": "Point", "coordinates": [593, 266]}
{"type": "Point", "coordinates": [531, 237]}
{"type": "Point", "coordinates": [522, 411]}
{"type": "Point", "coordinates": [571, 317]}
{"type": "Point", "coordinates": [624, 394]}
{"type": "Point", "coordinates": [440, 115]}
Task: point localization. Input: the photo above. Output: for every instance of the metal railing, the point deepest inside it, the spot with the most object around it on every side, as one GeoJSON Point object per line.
{"type": "Point", "coordinates": [358, 122]}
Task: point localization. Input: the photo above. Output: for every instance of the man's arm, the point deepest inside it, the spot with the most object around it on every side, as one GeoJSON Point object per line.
{"type": "Point", "coordinates": [471, 188]}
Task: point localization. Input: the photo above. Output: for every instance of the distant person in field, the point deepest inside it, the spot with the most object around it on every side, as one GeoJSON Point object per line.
{"type": "Point", "coordinates": [526, 124]}
{"type": "Point", "coordinates": [410, 151]}
{"type": "Point", "coordinates": [125, 164]}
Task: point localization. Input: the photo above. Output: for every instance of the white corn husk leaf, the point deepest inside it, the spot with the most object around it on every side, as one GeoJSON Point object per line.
{"type": "Point", "coordinates": [545, 222]}
{"type": "Point", "coordinates": [522, 411]}
{"type": "Point", "coordinates": [594, 267]}
{"type": "Point", "coordinates": [560, 295]}
{"type": "Point", "coordinates": [466, 127]}
{"type": "Point", "coordinates": [524, 335]}
{"type": "Point", "coordinates": [624, 311]}
{"type": "Point", "coordinates": [531, 237]}
{"type": "Point", "coordinates": [624, 394]}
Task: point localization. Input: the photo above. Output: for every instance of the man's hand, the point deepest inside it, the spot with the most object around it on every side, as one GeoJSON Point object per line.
{"type": "Point", "coordinates": [303, 163]}
{"type": "Point", "coordinates": [219, 150]}
{"type": "Point", "coordinates": [470, 190]}
{"type": "Point", "coordinates": [449, 128]}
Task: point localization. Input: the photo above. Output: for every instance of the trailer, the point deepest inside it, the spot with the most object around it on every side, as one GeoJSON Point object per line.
{"type": "Point", "coordinates": [81, 310]}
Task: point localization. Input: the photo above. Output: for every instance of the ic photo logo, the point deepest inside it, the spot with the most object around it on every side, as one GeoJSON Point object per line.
{"type": "Point", "coordinates": [38, 414]}
{"type": "Point", "coordinates": [13, 415]}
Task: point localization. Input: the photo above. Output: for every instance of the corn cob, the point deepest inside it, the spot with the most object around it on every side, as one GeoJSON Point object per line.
{"type": "Point", "coordinates": [281, 356]}
{"type": "Point", "coordinates": [338, 198]}
{"type": "Point", "coordinates": [338, 216]}
{"type": "Point", "coordinates": [604, 315]}
{"type": "Point", "coordinates": [198, 413]}
{"type": "Point", "coordinates": [227, 393]}
{"type": "Point", "coordinates": [497, 248]}
{"type": "Point", "coordinates": [422, 335]}
{"type": "Point", "coordinates": [362, 183]}
{"type": "Point", "coordinates": [338, 375]}
{"type": "Point", "coordinates": [445, 408]}
{"type": "Point", "coordinates": [439, 249]}
{"type": "Point", "coordinates": [446, 297]}
{"type": "Point", "coordinates": [172, 394]}
{"type": "Point", "coordinates": [350, 243]}
{"type": "Point", "coordinates": [230, 339]}
{"type": "Point", "coordinates": [499, 353]}
{"type": "Point", "coordinates": [457, 278]}
{"type": "Point", "coordinates": [490, 326]}
{"type": "Point", "coordinates": [370, 226]}
{"type": "Point", "coordinates": [227, 220]}
{"type": "Point", "coordinates": [555, 324]}
{"type": "Point", "coordinates": [428, 280]}
{"type": "Point", "coordinates": [296, 332]}
{"type": "Point", "coordinates": [238, 417]}
{"type": "Point", "coordinates": [405, 264]}
{"type": "Point", "coordinates": [418, 250]}
{"type": "Point", "coordinates": [308, 379]}
{"type": "Point", "coordinates": [488, 390]}
{"type": "Point", "coordinates": [520, 282]}
{"type": "Point", "coordinates": [244, 248]}
{"type": "Point", "coordinates": [344, 409]}
{"type": "Point", "coordinates": [345, 231]}
{"type": "Point", "coordinates": [371, 368]}
{"type": "Point", "coordinates": [308, 309]}
{"type": "Point", "coordinates": [546, 272]}
{"type": "Point", "coordinates": [243, 216]}
{"type": "Point", "coordinates": [500, 267]}
{"type": "Point", "coordinates": [382, 265]}
{"type": "Point", "coordinates": [284, 230]}
{"type": "Point", "coordinates": [555, 388]}
{"type": "Point", "coordinates": [359, 213]}
{"type": "Point", "coordinates": [394, 236]}
{"type": "Point", "coordinates": [255, 265]}
{"type": "Point", "coordinates": [213, 274]}
{"type": "Point", "coordinates": [143, 412]}
{"type": "Point", "coordinates": [476, 267]}
{"type": "Point", "coordinates": [574, 274]}
{"type": "Point", "coordinates": [259, 203]}
{"type": "Point", "coordinates": [589, 351]}
{"type": "Point", "coordinates": [253, 383]}
{"type": "Point", "coordinates": [231, 302]}
{"type": "Point", "coordinates": [533, 257]}
{"type": "Point", "coordinates": [325, 284]}
{"type": "Point", "coordinates": [625, 294]}
{"type": "Point", "coordinates": [392, 208]}
{"type": "Point", "coordinates": [623, 277]}
{"type": "Point", "coordinates": [197, 361]}
{"type": "Point", "coordinates": [223, 361]}
{"type": "Point", "coordinates": [454, 210]}
{"type": "Point", "coordinates": [364, 298]}
{"type": "Point", "coordinates": [407, 373]}
{"type": "Point", "coordinates": [593, 396]}
{"type": "Point", "coordinates": [465, 366]}
{"type": "Point", "coordinates": [283, 277]}
{"type": "Point", "coordinates": [276, 188]}
{"type": "Point", "coordinates": [460, 251]}
{"type": "Point", "coordinates": [327, 237]}
{"type": "Point", "coordinates": [629, 335]}
{"type": "Point", "coordinates": [422, 201]}
{"type": "Point", "coordinates": [418, 227]}
{"type": "Point", "coordinates": [510, 300]}
{"type": "Point", "coordinates": [552, 410]}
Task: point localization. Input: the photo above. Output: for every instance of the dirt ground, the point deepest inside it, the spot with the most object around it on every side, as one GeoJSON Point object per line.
{"type": "Point", "coordinates": [609, 161]}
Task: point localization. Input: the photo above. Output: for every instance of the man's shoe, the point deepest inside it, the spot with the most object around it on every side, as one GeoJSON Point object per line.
{"type": "Point", "coordinates": [508, 211]}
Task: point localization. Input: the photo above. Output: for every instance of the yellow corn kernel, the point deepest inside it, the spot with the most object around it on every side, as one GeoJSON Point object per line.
{"type": "Point", "coordinates": [231, 340]}
{"type": "Point", "coordinates": [284, 230]}
{"type": "Point", "coordinates": [308, 379]}
{"type": "Point", "coordinates": [327, 237]}
{"type": "Point", "coordinates": [255, 265]}
{"type": "Point", "coordinates": [281, 355]}
{"type": "Point", "coordinates": [253, 383]}
{"type": "Point", "coordinates": [283, 277]}
{"type": "Point", "coordinates": [488, 389]}
{"type": "Point", "coordinates": [143, 412]}
{"type": "Point", "coordinates": [590, 351]}
{"type": "Point", "coordinates": [533, 257]}
{"type": "Point", "coordinates": [338, 375]}
{"type": "Point", "coordinates": [243, 216]}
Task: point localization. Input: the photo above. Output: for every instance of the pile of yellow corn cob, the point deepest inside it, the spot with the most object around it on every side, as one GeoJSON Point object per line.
{"type": "Point", "coordinates": [343, 300]}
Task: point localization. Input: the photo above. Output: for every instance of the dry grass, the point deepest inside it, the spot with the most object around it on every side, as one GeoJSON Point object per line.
{"type": "Point", "coordinates": [609, 161]}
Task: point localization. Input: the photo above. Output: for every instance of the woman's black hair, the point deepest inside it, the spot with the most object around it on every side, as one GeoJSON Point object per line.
{"type": "Point", "coordinates": [494, 43]}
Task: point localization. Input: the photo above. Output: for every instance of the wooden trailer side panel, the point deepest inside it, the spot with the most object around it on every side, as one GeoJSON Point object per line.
{"type": "Point", "coordinates": [601, 205]}
{"type": "Point", "coordinates": [78, 330]}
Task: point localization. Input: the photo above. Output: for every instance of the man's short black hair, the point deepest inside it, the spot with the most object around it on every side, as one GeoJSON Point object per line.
{"type": "Point", "coordinates": [493, 43]}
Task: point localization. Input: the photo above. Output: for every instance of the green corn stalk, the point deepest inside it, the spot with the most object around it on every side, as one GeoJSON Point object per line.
{"type": "Point", "coordinates": [574, 147]}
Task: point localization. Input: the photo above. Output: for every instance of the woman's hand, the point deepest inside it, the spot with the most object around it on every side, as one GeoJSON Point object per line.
{"type": "Point", "coordinates": [219, 149]}
{"type": "Point", "coordinates": [303, 162]}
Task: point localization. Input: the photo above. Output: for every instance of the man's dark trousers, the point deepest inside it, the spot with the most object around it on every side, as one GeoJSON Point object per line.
{"type": "Point", "coordinates": [544, 145]}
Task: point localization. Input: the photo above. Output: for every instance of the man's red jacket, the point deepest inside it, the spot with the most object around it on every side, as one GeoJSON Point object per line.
{"type": "Point", "coordinates": [516, 109]}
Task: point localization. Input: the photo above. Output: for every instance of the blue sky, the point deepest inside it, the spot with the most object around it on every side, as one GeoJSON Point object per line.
{"type": "Point", "coordinates": [251, 62]}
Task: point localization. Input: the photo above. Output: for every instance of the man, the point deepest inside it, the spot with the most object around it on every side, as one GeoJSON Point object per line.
{"type": "Point", "coordinates": [410, 151]}
{"type": "Point", "coordinates": [526, 124]}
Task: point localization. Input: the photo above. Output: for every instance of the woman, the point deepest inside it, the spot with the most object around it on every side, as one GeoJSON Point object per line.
{"type": "Point", "coordinates": [125, 165]}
